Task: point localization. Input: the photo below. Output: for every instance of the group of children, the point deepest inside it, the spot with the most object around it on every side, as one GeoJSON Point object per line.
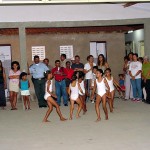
{"type": "Point", "coordinates": [102, 86]}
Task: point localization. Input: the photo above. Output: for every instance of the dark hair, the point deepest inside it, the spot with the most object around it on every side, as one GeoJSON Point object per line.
{"type": "Point", "coordinates": [23, 74]}
{"type": "Point", "coordinates": [135, 54]}
{"type": "Point", "coordinates": [108, 69]}
{"type": "Point", "coordinates": [121, 75]}
{"type": "Point", "coordinates": [56, 61]}
{"type": "Point", "coordinates": [141, 58]}
{"type": "Point", "coordinates": [131, 53]}
{"type": "Point", "coordinates": [46, 59]}
{"type": "Point", "coordinates": [89, 57]}
{"type": "Point", "coordinates": [17, 63]}
{"type": "Point", "coordinates": [77, 56]}
{"type": "Point", "coordinates": [126, 57]}
{"type": "Point", "coordinates": [1, 64]}
{"type": "Point", "coordinates": [36, 56]}
{"type": "Point", "coordinates": [63, 55]}
{"type": "Point", "coordinates": [98, 61]}
{"type": "Point", "coordinates": [46, 73]}
{"type": "Point", "coordinates": [81, 74]}
{"type": "Point", "coordinates": [67, 62]}
{"type": "Point", "coordinates": [95, 67]}
{"type": "Point", "coordinates": [74, 77]}
{"type": "Point", "coordinates": [100, 71]}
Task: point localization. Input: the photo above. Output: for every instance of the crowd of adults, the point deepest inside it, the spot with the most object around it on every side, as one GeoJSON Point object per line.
{"type": "Point", "coordinates": [136, 75]}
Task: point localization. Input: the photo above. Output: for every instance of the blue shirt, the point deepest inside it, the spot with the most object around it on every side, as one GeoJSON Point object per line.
{"type": "Point", "coordinates": [24, 85]}
{"type": "Point", "coordinates": [37, 70]}
{"type": "Point", "coordinates": [121, 82]}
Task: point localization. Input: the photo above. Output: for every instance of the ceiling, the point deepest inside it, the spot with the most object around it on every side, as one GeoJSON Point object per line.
{"type": "Point", "coordinates": [107, 29]}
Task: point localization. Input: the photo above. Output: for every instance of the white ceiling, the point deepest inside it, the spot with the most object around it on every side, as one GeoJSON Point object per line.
{"type": "Point", "coordinates": [84, 12]}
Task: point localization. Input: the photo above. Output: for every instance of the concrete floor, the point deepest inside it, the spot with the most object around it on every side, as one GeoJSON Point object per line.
{"type": "Point", "coordinates": [128, 128]}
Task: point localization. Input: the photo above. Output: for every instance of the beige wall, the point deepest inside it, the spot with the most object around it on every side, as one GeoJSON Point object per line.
{"type": "Point", "coordinates": [80, 42]}
{"type": "Point", "coordinates": [81, 46]}
{"type": "Point", "coordinates": [13, 40]}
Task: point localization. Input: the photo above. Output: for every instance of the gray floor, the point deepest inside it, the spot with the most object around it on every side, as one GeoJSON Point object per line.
{"type": "Point", "coordinates": [128, 128]}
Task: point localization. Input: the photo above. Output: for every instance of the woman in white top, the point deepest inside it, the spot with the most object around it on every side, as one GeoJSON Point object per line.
{"type": "Point", "coordinates": [111, 82]}
{"type": "Point", "coordinates": [49, 97]}
{"type": "Point", "coordinates": [101, 84]}
{"type": "Point", "coordinates": [73, 91]}
{"type": "Point", "coordinates": [88, 67]}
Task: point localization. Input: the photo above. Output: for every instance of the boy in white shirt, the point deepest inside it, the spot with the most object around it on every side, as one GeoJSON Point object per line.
{"type": "Point", "coordinates": [135, 70]}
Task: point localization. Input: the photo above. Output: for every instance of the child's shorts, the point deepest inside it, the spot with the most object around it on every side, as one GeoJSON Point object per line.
{"type": "Point", "coordinates": [25, 93]}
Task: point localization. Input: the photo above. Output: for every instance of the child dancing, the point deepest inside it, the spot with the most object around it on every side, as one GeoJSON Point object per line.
{"type": "Point", "coordinates": [49, 97]}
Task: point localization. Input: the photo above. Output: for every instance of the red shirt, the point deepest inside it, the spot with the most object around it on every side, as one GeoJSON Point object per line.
{"type": "Point", "coordinates": [59, 75]}
{"type": "Point", "coordinates": [69, 73]}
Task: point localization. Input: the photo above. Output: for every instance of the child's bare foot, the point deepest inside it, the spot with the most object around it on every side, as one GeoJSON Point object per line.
{"type": "Point", "coordinates": [84, 112]}
{"type": "Point", "coordinates": [70, 118]}
{"type": "Point", "coordinates": [29, 108]}
{"type": "Point", "coordinates": [98, 119]}
{"type": "Point", "coordinates": [46, 121]}
{"type": "Point", "coordinates": [106, 118]}
{"type": "Point", "coordinates": [63, 119]}
{"type": "Point", "coordinates": [78, 116]}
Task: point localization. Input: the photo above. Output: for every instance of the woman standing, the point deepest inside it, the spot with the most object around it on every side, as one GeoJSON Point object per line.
{"type": "Point", "coordinates": [128, 91]}
{"type": "Point", "coordinates": [88, 67]}
{"type": "Point", "coordinates": [101, 63]}
{"type": "Point", "coordinates": [14, 74]}
{"type": "Point", "coordinates": [2, 86]}
{"type": "Point", "coordinates": [146, 77]}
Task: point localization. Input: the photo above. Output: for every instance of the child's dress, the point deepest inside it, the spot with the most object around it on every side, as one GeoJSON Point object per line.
{"type": "Point", "coordinates": [24, 87]}
{"type": "Point", "coordinates": [50, 89]}
{"type": "Point", "coordinates": [101, 89]}
{"type": "Point", "coordinates": [74, 92]}
{"type": "Point", "coordinates": [82, 88]}
{"type": "Point", "coordinates": [111, 84]}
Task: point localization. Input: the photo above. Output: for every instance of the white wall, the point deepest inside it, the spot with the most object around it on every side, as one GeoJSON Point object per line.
{"type": "Point", "coordinates": [84, 12]}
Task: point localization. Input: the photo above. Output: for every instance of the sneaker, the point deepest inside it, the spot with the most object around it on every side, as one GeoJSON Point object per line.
{"type": "Point", "coordinates": [133, 99]}
{"type": "Point", "coordinates": [92, 102]}
{"type": "Point", "coordinates": [138, 100]}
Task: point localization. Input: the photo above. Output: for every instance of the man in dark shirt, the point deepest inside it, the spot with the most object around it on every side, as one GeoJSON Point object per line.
{"type": "Point", "coordinates": [59, 74]}
{"type": "Point", "coordinates": [77, 66]}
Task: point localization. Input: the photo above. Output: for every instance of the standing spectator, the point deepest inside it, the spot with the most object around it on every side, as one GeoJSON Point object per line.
{"type": "Point", "coordinates": [88, 67]}
{"type": "Point", "coordinates": [77, 66]}
{"type": "Point", "coordinates": [146, 77]}
{"type": "Point", "coordinates": [2, 86]}
{"type": "Point", "coordinates": [63, 60]}
{"type": "Point", "coordinates": [128, 90]}
{"type": "Point", "coordinates": [59, 74]}
{"type": "Point", "coordinates": [37, 71]}
{"type": "Point", "coordinates": [46, 62]}
{"type": "Point", "coordinates": [14, 74]}
{"type": "Point", "coordinates": [69, 72]}
{"type": "Point", "coordinates": [135, 70]}
{"type": "Point", "coordinates": [101, 63]}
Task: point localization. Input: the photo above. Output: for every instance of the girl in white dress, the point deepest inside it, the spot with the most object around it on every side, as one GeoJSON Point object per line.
{"type": "Point", "coordinates": [49, 98]}
{"type": "Point", "coordinates": [100, 83]}
{"type": "Point", "coordinates": [82, 95]}
{"type": "Point", "coordinates": [111, 82]}
{"type": "Point", "coordinates": [73, 91]}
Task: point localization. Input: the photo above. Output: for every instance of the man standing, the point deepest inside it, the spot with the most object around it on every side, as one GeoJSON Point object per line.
{"type": "Point", "coordinates": [63, 60]}
{"type": "Point", "coordinates": [77, 66]}
{"type": "Point", "coordinates": [46, 62]}
{"type": "Point", "coordinates": [37, 71]}
{"type": "Point", "coordinates": [59, 74]}
{"type": "Point", "coordinates": [135, 70]}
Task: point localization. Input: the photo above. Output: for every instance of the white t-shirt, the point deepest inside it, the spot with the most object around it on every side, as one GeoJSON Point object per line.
{"type": "Point", "coordinates": [134, 68]}
{"type": "Point", "coordinates": [88, 75]}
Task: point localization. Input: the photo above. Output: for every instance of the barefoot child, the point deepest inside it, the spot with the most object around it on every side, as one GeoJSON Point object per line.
{"type": "Point", "coordinates": [121, 83]}
{"type": "Point", "coordinates": [111, 82]}
{"type": "Point", "coordinates": [24, 85]}
{"type": "Point", "coordinates": [100, 83]}
{"type": "Point", "coordinates": [82, 95]}
{"type": "Point", "coordinates": [73, 91]}
{"type": "Point", "coordinates": [48, 97]}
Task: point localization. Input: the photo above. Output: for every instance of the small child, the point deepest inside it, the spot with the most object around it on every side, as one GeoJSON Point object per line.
{"type": "Point", "coordinates": [48, 97]}
{"type": "Point", "coordinates": [100, 83]}
{"type": "Point", "coordinates": [24, 85]}
{"type": "Point", "coordinates": [73, 91]}
{"type": "Point", "coordinates": [82, 95]}
{"type": "Point", "coordinates": [121, 83]}
{"type": "Point", "coordinates": [95, 68]}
